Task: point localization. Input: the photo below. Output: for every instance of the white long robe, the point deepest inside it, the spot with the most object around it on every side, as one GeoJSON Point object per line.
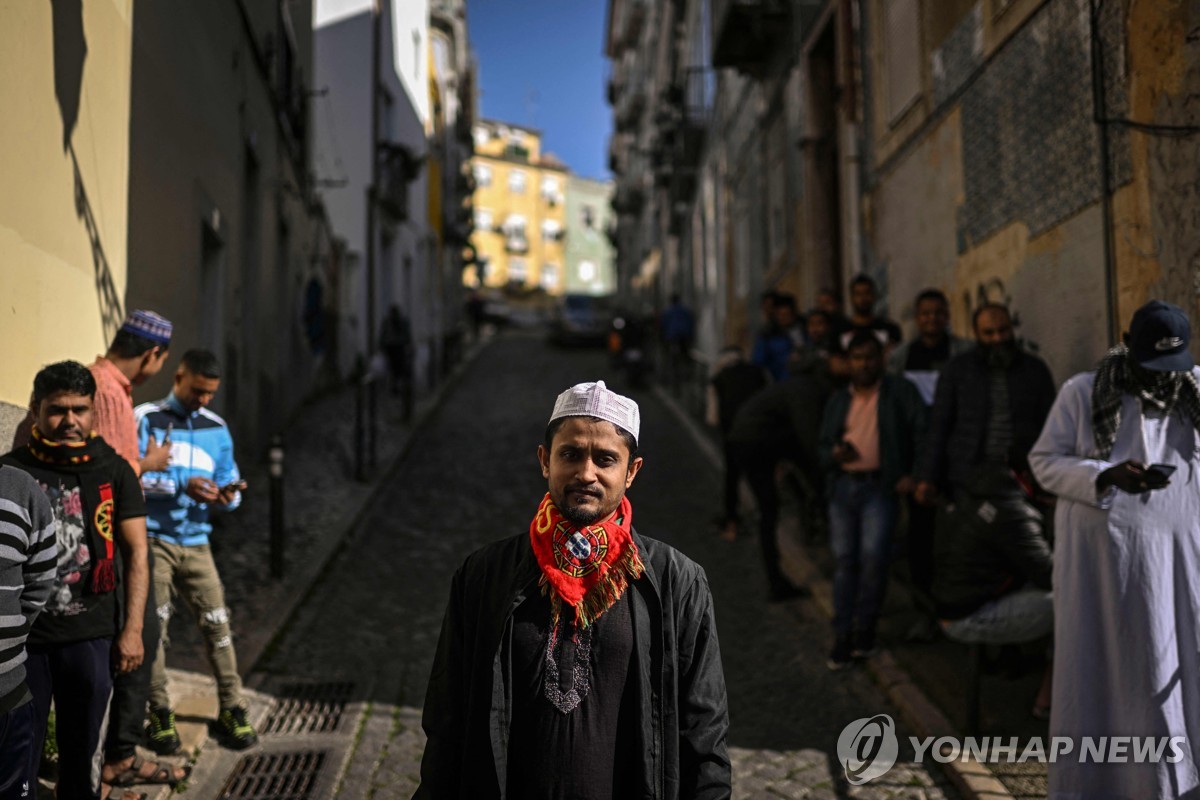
{"type": "Point", "coordinates": [1126, 597]}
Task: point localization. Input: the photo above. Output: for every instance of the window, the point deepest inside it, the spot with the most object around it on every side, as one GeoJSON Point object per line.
{"type": "Point", "coordinates": [552, 190]}
{"type": "Point", "coordinates": [587, 216]}
{"type": "Point", "coordinates": [514, 225]}
{"type": "Point", "coordinates": [483, 219]}
{"type": "Point", "coordinates": [587, 271]}
{"type": "Point", "coordinates": [516, 181]}
{"type": "Point", "coordinates": [483, 175]}
{"type": "Point", "coordinates": [516, 270]}
{"type": "Point", "coordinates": [549, 276]}
{"type": "Point", "coordinates": [552, 229]}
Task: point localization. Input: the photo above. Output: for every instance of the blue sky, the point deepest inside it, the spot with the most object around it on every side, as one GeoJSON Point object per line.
{"type": "Point", "coordinates": [541, 64]}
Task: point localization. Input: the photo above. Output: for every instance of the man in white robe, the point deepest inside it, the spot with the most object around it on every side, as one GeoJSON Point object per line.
{"type": "Point", "coordinates": [1120, 450]}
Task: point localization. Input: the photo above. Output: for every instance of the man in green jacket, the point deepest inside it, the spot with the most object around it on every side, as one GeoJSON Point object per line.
{"type": "Point", "coordinates": [868, 443]}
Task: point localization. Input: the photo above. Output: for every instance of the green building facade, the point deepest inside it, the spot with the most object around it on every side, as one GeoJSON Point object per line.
{"type": "Point", "coordinates": [590, 257]}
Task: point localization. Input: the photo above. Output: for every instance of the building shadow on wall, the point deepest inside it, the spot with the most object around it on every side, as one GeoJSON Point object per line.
{"type": "Point", "coordinates": [70, 53]}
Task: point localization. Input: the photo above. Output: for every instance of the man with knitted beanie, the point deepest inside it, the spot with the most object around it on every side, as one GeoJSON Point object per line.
{"type": "Point", "coordinates": [579, 659]}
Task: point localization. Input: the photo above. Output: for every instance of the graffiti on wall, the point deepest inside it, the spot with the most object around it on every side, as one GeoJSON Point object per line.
{"type": "Point", "coordinates": [995, 291]}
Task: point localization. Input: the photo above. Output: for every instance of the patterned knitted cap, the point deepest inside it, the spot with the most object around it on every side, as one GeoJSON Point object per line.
{"type": "Point", "coordinates": [596, 400]}
{"type": "Point", "coordinates": [148, 325]}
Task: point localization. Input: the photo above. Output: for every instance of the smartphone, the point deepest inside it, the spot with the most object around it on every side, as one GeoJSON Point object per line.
{"type": "Point", "coordinates": [235, 486]}
{"type": "Point", "coordinates": [1161, 471]}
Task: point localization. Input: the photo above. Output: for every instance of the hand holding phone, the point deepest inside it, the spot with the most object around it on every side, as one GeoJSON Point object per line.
{"type": "Point", "coordinates": [1160, 474]}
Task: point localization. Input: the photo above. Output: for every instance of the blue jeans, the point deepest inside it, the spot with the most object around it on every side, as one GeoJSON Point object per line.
{"type": "Point", "coordinates": [862, 516]}
{"type": "Point", "coordinates": [1021, 616]}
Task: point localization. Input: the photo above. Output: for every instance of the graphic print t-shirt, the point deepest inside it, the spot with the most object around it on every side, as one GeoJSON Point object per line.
{"type": "Point", "coordinates": [74, 613]}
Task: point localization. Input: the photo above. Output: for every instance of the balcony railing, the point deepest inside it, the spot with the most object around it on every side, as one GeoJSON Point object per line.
{"type": "Point", "coordinates": [633, 15]}
{"type": "Point", "coordinates": [398, 167]}
{"type": "Point", "coordinates": [744, 32]}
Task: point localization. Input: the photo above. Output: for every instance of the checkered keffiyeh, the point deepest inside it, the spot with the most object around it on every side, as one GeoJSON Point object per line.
{"type": "Point", "coordinates": [1117, 376]}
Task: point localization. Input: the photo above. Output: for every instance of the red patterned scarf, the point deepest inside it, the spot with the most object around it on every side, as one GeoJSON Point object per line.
{"type": "Point", "coordinates": [588, 567]}
{"type": "Point", "coordinates": [87, 460]}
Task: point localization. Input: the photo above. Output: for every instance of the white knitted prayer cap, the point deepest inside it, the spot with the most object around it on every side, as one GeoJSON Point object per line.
{"type": "Point", "coordinates": [596, 400]}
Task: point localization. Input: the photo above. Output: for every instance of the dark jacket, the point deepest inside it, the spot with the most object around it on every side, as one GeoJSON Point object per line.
{"type": "Point", "coordinates": [902, 421]}
{"type": "Point", "coordinates": [734, 385]}
{"type": "Point", "coordinates": [681, 686]}
{"type": "Point", "coordinates": [784, 416]}
{"type": "Point", "coordinates": [962, 407]}
{"type": "Point", "coordinates": [985, 548]}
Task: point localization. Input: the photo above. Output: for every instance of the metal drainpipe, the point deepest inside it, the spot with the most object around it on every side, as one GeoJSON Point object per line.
{"type": "Point", "coordinates": [1100, 108]}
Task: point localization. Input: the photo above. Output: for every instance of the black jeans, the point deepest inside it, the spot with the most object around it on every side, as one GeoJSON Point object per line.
{"type": "Point", "coordinates": [733, 479]}
{"type": "Point", "coordinates": [758, 462]}
{"type": "Point", "coordinates": [131, 690]}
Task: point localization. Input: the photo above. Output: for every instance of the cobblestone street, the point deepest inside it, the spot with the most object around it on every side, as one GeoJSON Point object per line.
{"type": "Point", "coordinates": [471, 477]}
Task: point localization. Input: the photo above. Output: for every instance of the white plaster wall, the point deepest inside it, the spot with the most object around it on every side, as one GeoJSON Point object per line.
{"type": "Point", "coordinates": [342, 145]}
{"type": "Point", "coordinates": [411, 58]}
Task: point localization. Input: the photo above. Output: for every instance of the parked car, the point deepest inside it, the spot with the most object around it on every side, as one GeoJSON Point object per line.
{"type": "Point", "coordinates": [582, 320]}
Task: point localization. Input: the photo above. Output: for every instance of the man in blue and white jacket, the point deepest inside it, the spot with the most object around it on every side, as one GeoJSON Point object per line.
{"type": "Point", "coordinates": [202, 475]}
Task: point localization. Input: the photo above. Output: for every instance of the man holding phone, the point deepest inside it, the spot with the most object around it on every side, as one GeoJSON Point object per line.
{"type": "Point", "coordinates": [1120, 449]}
{"type": "Point", "coordinates": [202, 475]}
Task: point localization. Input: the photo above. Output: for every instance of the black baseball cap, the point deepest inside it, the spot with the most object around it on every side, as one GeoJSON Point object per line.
{"type": "Point", "coordinates": [1159, 336]}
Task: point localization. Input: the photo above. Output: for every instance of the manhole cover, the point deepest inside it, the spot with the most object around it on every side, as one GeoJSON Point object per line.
{"type": "Point", "coordinates": [277, 776]}
{"type": "Point", "coordinates": [309, 708]}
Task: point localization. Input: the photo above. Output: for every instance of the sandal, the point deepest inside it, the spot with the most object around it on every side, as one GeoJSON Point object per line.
{"type": "Point", "coordinates": [163, 773]}
{"type": "Point", "coordinates": [117, 793]}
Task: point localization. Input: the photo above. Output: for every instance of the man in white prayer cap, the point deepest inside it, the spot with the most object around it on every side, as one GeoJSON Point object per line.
{"type": "Point", "coordinates": [579, 659]}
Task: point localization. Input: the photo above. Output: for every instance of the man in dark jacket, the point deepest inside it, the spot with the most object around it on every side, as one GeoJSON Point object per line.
{"type": "Point", "coordinates": [992, 575]}
{"type": "Point", "coordinates": [989, 408]}
{"type": "Point", "coordinates": [780, 422]}
{"type": "Point", "coordinates": [869, 436]}
{"type": "Point", "coordinates": [734, 381]}
{"type": "Point", "coordinates": [579, 659]}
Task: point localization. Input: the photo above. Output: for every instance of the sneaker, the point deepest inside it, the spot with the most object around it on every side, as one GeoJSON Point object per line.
{"type": "Point", "coordinates": [864, 645]}
{"type": "Point", "coordinates": [841, 657]}
{"type": "Point", "coordinates": [164, 738]}
{"type": "Point", "coordinates": [235, 729]}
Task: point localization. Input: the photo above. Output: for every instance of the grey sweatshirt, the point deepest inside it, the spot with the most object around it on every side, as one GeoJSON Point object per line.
{"type": "Point", "coordinates": [28, 562]}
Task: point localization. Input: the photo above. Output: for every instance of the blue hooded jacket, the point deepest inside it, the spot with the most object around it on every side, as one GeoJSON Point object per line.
{"type": "Point", "coordinates": [200, 447]}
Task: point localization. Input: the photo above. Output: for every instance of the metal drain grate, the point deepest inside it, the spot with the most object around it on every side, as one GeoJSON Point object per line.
{"type": "Point", "coordinates": [277, 776]}
{"type": "Point", "coordinates": [309, 708]}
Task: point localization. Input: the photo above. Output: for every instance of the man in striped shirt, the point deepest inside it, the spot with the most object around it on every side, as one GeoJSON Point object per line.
{"type": "Point", "coordinates": [28, 555]}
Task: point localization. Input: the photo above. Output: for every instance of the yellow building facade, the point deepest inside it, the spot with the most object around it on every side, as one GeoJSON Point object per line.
{"type": "Point", "coordinates": [64, 155]}
{"type": "Point", "coordinates": [520, 211]}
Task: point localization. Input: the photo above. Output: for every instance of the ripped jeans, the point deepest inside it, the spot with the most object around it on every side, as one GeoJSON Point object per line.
{"type": "Point", "coordinates": [190, 573]}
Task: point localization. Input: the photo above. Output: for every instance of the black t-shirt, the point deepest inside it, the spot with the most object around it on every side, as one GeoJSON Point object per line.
{"type": "Point", "coordinates": [589, 753]}
{"type": "Point", "coordinates": [74, 613]}
{"type": "Point", "coordinates": [922, 358]}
